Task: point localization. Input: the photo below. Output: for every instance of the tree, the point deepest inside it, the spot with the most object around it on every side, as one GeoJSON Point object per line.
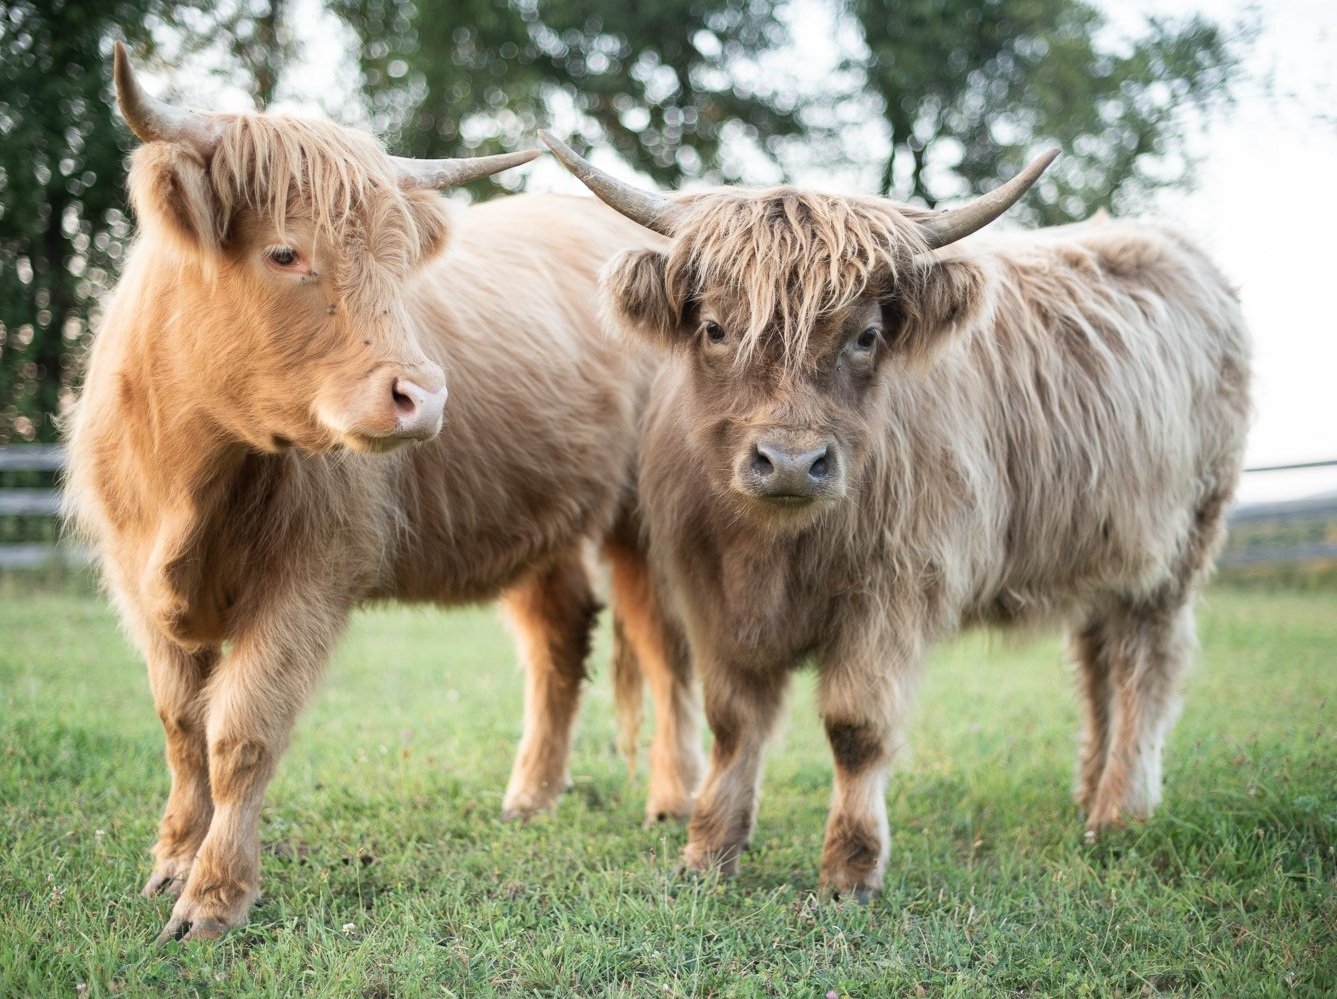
{"type": "Point", "coordinates": [60, 201]}
{"type": "Point", "coordinates": [990, 81]}
{"type": "Point", "coordinates": [653, 80]}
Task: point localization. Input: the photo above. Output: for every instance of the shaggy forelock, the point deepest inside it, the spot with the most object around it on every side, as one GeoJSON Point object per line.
{"type": "Point", "coordinates": [336, 177]}
{"type": "Point", "coordinates": [791, 257]}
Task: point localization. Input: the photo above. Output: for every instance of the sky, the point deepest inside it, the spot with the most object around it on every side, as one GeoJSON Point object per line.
{"type": "Point", "coordinates": [1264, 207]}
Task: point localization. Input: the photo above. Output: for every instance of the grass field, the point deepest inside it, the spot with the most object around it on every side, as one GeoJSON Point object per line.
{"type": "Point", "coordinates": [387, 872]}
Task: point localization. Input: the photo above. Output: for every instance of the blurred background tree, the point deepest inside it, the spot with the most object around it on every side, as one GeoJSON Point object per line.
{"type": "Point", "coordinates": [655, 81]}
{"type": "Point", "coordinates": [987, 82]}
{"type": "Point", "coordinates": [960, 91]}
{"type": "Point", "coordinates": [61, 195]}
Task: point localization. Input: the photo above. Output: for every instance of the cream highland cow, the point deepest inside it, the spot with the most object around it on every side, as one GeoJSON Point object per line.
{"type": "Point", "coordinates": [258, 448]}
{"type": "Point", "coordinates": [869, 435]}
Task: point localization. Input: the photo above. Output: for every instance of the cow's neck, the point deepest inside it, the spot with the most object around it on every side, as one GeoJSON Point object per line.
{"type": "Point", "coordinates": [180, 476]}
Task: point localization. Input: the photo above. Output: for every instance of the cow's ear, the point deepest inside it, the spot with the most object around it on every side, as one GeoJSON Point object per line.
{"type": "Point", "coordinates": [636, 295]}
{"type": "Point", "coordinates": [432, 221]}
{"type": "Point", "coordinates": [929, 306]}
{"type": "Point", "coordinates": [171, 191]}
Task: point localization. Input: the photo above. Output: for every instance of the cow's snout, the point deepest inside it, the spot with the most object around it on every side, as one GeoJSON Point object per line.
{"type": "Point", "coordinates": [391, 406]}
{"type": "Point", "coordinates": [782, 471]}
{"type": "Point", "coordinates": [419, 407]}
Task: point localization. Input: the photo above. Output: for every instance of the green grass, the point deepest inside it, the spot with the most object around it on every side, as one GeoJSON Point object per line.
{"type": "Point", "coordinates": [388, 873]}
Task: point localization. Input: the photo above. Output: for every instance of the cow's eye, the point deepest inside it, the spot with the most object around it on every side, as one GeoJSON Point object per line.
{"type": "Point", "coordinates": [281, 256]}
{"type": "Point", "coordinates": [714, 331]}
{"type": "Point", "coordinates": [867, 340]}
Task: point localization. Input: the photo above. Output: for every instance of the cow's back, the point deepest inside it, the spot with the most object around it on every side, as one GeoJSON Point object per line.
{"type": "Point", "coordinates": [1080, 434]}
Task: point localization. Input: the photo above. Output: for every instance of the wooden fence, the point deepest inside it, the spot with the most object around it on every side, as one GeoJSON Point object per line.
{"type": "Point", "coordinates": [33, 503]}
{"type": "Point", "coordinates": [1299, 530]}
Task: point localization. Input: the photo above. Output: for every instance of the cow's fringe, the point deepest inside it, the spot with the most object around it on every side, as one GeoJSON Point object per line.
{"type": "Point", "coordinates": [275, 165]}
{"type": "Point", "coordinates": [794, 256]}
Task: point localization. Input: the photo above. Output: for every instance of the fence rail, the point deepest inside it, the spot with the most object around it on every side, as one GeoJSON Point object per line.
{"type": "Point", "coordinates": [1316, 511]}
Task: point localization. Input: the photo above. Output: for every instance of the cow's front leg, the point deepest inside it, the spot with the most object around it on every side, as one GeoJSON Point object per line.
{"type": "Point", "coordinates": [178, 679]}
{"type": "Point", "coordinates": [552, 615]}
{"type": "Point", "coordinates": [741, 708]}
{"type": "Point", "coordinates": [863, 692]}
{"type": "Point", "coordinates": [253, 699]}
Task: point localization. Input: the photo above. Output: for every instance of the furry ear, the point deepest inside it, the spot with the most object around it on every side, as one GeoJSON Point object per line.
{"type": "Point", "coordinates": [635, 292]}
{"type": "Point", "coordinates": [431, 217]}
{"type": "Point", "coordinates": [170, 189]}
{"type": "Point", "coordinates": [928, 306]}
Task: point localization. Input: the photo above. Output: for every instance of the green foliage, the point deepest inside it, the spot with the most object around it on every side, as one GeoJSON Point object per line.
{"type": "Point", "coordinates": [62, 209]}
{"type": "Point", "coordinates": [652, 80]}
{"type": "Point", "coordinates": [63, 213]}
{"type": "Point", "coordinates": [993, 80]}
{"type": "Point", "coordinates": [386, 871]}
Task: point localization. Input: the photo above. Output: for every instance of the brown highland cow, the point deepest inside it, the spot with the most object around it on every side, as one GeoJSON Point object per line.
{"type": "Point", "coordinates": [869, 435]}
{"type": "Point", "coordinates": [256, 452]}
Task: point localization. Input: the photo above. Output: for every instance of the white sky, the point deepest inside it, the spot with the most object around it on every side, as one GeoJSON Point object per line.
{"type": "Point", "coordinates": [1265, 206]}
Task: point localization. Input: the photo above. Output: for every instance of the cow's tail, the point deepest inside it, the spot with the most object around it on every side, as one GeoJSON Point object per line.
{"type": "Point", "coordinates": [627, 686]}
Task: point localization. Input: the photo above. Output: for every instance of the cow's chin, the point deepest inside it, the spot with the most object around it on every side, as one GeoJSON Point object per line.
{"type": "Point", "coordinates": [322, 438]}
{"type": "Point", "coordinates": [780, 514]}
{"type": "Point", "coordinates": [367, 444]}
{"type": "Point", "coordinates": [368, 440]}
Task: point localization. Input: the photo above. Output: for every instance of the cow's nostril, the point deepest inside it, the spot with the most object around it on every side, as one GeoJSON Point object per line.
{"type": "Point", "coordinates": [819, 468]}
{"type": "Point", "coordinates": [761, 463]}
{"type": "Point", "coordinates": [405, 404]}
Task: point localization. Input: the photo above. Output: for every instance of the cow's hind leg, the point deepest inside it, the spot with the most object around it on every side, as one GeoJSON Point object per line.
{"type": "Point", "coordinates": [552, 614]}
{"type": "Point", "coordinates": [1132, 655]}
{"type": "Point", "coordinates": [1133, 658]}
{"type": "Point", "coordinates": [660, 652]}
{"type": "Point", "coordinates": [178, 680]}
{"type": "Point", "coordinates": [1091, 649]}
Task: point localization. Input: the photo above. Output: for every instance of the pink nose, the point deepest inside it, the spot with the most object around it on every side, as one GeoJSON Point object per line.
{"type": "Point", "coordinates": [419, 410]}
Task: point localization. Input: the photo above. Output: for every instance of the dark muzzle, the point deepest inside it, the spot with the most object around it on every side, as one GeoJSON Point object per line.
{"type": "Point", "coordinates": [775, 471]}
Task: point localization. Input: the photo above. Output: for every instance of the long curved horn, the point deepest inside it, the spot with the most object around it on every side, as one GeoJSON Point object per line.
{"type": "Point", "coordinates": [439, 174]}
{"type": "Point", "coordinates": [654, 211]}
{"type": "Point", "coordinates": [154, 120]}
{"type": "Point", "coordinates": [956, 223]}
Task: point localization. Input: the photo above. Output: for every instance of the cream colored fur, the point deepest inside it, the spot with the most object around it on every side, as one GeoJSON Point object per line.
{"type": "Point", "coordinates": [237, 524]}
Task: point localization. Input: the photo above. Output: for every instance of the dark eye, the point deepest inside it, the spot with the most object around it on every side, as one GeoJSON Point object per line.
{"type": "Point", "coordinates": [284, 256]}
{"type": "Point", "coordinates": [714, 332]}
{"type": "Point", "coordinates": [867, 339]}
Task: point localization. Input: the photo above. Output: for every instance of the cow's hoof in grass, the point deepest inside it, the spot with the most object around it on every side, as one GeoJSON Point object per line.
{"type": "Point", "coordinates": [1106, 819]}
{"type": "Point", "coordinates": [861, 896]}
{"type": "Point", "coordinates": [526, 811]}
{"type": "Point", "coordinates": [209, 914]}
{"type": "Point", "coordinates": [201, 922]}
{"type": "Point", "coordinates": [668, 810]}
{"type": "Point", "coordinates": [207, 928]}
{"type": "Point", "coordinates": [168, 878]}
{"type": "Point", "coordinates": [531, 798]}
{"type": "Point", "coordinates": [723, 860]}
